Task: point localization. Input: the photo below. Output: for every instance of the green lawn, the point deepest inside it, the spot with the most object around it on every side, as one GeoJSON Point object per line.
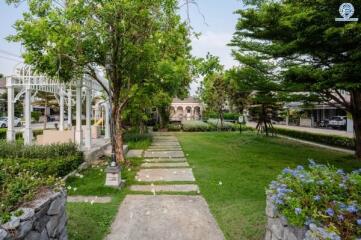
{"type": "Point", "coordinates": [233, 171]}
{"type": "Point", "coordinates": [92, 221]}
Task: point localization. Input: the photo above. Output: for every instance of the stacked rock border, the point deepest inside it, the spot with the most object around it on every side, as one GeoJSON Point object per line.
{"type": "Point", "coordinates": [277, 227]}
{"type": "Point", "coordinates": [42, 219]}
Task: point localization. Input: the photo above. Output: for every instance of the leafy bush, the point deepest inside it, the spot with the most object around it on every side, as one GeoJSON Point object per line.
{"type": "Point", "coordinates": [174, 127]}
{"type": "Point", "coordinates": [137, 140]}
{"type": "Point", "coordinates": [323, 198]}
{"type": "Point", "coordinates": [226, 116]}
{"type": "Point", "coordinates": [227, 126]}
{"type": "Point", "coordinates": [27, 169]}
{"type": "Point", "coordinates": [36, 115]}
{"type": "Point", "coordinates": [331, 140]}
{"type": "Point", "coordinates": [18, 135]}
{"type": "Point", "coordinates": [196, 126]}
{"type": "Point", "coordinates": [18, 150]}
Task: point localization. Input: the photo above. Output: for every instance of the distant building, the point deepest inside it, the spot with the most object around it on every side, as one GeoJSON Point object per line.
{"type": "Point", "coordinates": [186, 109]}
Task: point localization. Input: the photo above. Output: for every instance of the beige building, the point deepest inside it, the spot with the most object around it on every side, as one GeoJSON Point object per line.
{"type": "Point", "coordinates": [186, 109]}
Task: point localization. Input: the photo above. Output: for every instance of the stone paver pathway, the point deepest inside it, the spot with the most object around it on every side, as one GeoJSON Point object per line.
{"type": "Point", "coordinates": [165, 217]}
{"type": "Point", "coordinates": [89, 199]}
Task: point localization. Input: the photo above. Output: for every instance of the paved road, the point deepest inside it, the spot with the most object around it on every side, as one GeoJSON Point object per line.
{"type": "Point", "coordinates": [311, 130]}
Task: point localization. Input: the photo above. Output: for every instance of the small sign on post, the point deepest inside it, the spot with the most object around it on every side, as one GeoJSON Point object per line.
{"type": "Point", "coordinates": [113, 177]}
{"type": "Point", "coordinates": [346, 10]}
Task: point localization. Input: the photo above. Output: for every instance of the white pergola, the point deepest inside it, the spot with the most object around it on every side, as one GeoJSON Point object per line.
{"type": "Point", "coordinates": [29, 84]}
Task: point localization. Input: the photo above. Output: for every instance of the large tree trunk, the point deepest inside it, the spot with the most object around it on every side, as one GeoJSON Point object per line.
{"type": "Point", "coordinates": [221, 117]}
{"type": "Point", "coordinates": [117, 131]}
{"type": "Point", "coordinates": [356, 116]}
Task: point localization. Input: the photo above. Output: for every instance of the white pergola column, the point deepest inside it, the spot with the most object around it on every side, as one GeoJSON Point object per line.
{"type": "Point", "coordinates": [88, 133]}
{"type": "Point", "coordinates": [107, 121]}
{"type": "Point", "coordinates": [61, 117]}
{"type": "Point", "coordinates": [10, 135]}
{"type": "Point", "coordinates": [69, 109]}
{"type": "Point", "coordinates": [78, 126]}
{"type": "Point", "coordinates": [28, 133]}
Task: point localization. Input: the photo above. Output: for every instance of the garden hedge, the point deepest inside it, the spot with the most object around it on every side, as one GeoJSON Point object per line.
{"type": "Point", "coordinates": [27, 169]}
{"type": "Point", "coordinates": [331, 140]}
{"type": "Point", "coordinates": [227, 126]}
{"type": "Point", "coordinates": [18, 135]}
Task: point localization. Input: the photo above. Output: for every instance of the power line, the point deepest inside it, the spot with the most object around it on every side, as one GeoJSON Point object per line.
{"type": "Point", "coordinates": [10, 59]}
{"type": "Point", "coordinates": [9, 53]}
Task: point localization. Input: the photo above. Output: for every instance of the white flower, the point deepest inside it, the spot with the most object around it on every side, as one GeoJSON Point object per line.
{"type": "Point", "coordinates": [92, 202]}
{"type": "Point", "coordinates": [75, 189]}
{"type": "Point", "coordinates": [129, 169]}
{"type": "Point", "coordinates": [220, 183]}
{"type": "Point", "coordinates": [69, 187]}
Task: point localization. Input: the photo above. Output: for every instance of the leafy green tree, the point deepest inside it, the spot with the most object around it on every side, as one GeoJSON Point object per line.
{"type": "Point", "coordinates": [319, 55]}
{"type": "Point", "coordinates": [256, 81]}
{"type": "Point", "coordinates": [46, 100]}
{"type": "Point", "coordinates": [127, 39]}
{"type": "Point", "coordinates": [213, 90]}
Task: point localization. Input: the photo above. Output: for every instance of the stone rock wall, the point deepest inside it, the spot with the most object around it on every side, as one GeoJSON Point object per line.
{"type": "Point", "coordinates": [42, 219]}
{"type": "Point", "coordinates": [277, 227]}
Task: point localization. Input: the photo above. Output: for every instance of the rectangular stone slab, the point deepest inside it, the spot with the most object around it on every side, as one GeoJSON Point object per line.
{"type": "Point", "coordinates": [165, 159]}
{"type": "Point", "coordinates": [165, 174]}
{"type": "Point", "coordinates": [164, 217]}
{"type": "Point", "coordinates": [165, 165]}
{"type": "Point", "coordinates": [135, 153]}
{"type": "Point", "coordinates": [89, 199]}
{"type": "Point", "coordinates": [165, 188]}
{"type": "Point", "coordinates": [164, 149]}
{"type": "Point", "coordinates": [163, 154]}
{"type": "Point", "coordinates": [165, 144]}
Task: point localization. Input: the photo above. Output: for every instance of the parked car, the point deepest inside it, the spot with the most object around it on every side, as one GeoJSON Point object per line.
{"type": "Point", "coordinates": [4, 122]}
{"type": "Point", "coordinates": [338, 122]}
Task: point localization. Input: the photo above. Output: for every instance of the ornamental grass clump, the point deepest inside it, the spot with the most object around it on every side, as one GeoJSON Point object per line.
{"type": "Point", "coordinates": [322, 198]}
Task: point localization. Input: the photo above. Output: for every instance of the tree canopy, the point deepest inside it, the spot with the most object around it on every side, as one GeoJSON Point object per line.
{"type": "Point", "coordinates": [141, 46]}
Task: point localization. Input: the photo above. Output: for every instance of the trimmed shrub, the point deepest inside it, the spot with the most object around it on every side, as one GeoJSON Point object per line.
{"type": "Point", "coordinates": [36, 115]}
{"type": "Point", "coordinates": [325, 199]}
{"type": "Point", "coordinates": [175, 127]}
{"type": "Point", "coordinates": [226, 116]}
{"type": "Point", "coordinates": [137, 140]}
{"type": "Point", "coordinates": [27, 169]}
{"type": "Point", "coordinates": [336, 141]}
{"type": "Point", "coordinates": [227, 126]}
{"type": "Point", "coordinates": [197, 126]}
{"type": "Point", "coordinates": [19, 135]}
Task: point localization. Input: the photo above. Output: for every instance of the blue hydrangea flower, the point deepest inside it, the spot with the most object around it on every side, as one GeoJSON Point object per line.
{"type": "Point", "coordinates": [312, 162]}
{"type": "Point", "coordinates": [330, 212]}
{"type": "Point", "coordinates": [340, 217]}
{"type": "Point", "coordinates": [300, 168]}
{"type": "Point", "coordinates": [352, 208]}
{"type": "Point", "coordinates": [317, 198]}
{"type": "Point", "coordinates": [298, 211]}
{"type": "Point", "coordinates": [358, 221]}
{"type": "Point", "coordinates": [340, 171]}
